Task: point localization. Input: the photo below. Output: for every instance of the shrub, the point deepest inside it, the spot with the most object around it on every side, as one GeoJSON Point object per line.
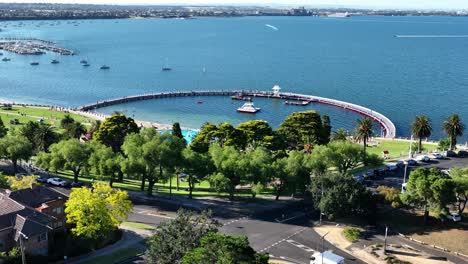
{"type": "Point", "coordinates": [391, 196]}
{"type": "Point", "coordinates": [352, 234]}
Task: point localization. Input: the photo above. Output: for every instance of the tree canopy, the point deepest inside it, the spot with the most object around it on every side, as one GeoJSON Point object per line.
{"type": "Point", "coordinates": [113, 130]}
{"type": "Point", "coordinates": [66, 155]}
{"type": "Point", "coordinates": [41, 136]}
{"type": "Point", "coordinates": [421, 128]}
{"type": "Point", "coordinates": [429, 189]}
{"type": "Point", "coordinates": [174, 238]}
{"type": "Point", "coordinates": [342, 196]}
{"type": "Point", "coordinates": [218, 248]}
{"type": "Point", "coordinates": [454, 128]}
{"type": "Point", "coordinates": [301, 128]}
{"type": "Point", "coordinates": [3, 129]}
{"type": "Point", "coordinates": [96, 212]}
{"type": "Point", "coordinates": [15, 148]}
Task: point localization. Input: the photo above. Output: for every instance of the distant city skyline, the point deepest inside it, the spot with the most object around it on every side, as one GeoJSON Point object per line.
{"type": "Point", "coordinates": [396, 4]}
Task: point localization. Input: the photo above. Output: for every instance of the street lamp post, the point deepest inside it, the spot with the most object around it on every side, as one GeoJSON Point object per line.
{"type": "Point", "coordinates": [23, 257]}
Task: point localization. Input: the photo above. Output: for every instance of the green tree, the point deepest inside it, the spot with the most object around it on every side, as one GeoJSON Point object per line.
{"type": "Point", "coordinates": [152, 154]}
{"type": "Point", "coordinates": [96, 212]}
{"type": "Point", "coordinates": [66, 120]}
{"type": "Point", "coordinates": [176, 130]}
{"type": "Point", "coordinates": [444, 143]}
{"type": "Point", "coordinates": [302, 128]}
{"type": "Point", "coordinates": [430, 189]}
{"type": "Point", "coordinates": [75, 130]}
{"type": "Point", "coordinates": [342, 196]}
{"type": "Point", "coordinates": [460, 179]}
{"type": "Point", "coordinates": [454, 127]}
{"type": "Point", "coordinates": [174, 238]}
{"type": "Point", "coordinates": [256, 131]}
{"type": "Point", "coordinates": [4, 181]}
{"type": "Point", "coordinates": [66, 155]}
{"type": "Point", "coordinates": [390, 195]}
{"type": "Point", "coordinates": [339, 134]}
{"type": "Point", "coordinates": [341, 155]}
{"type": "Point", "coordinates": [3, 129]}
{"type": "Point", "coordinates": [230, 167]}
{"type": "Point", "coordinates": [104, 162]}
{"type": "Point", "coordinates": [113, 130]}
{"type": "Point", "coordinates": [41, 136]}
{"type": "Point", "coordinates": [134, 165]}
{"type": "Point", "coordinates": [258, 169]}
{"type": "Point", "coordinates": [217, 248]}
{"type": "Point", "coordinates": [421, 128]}
{"type": "Point", "coordinates": [197, 167]}
{"type": "Point", "coordinates": [363, 133]}
{"type": "Point", "coordinates": [19, 183]}
{"type": "Point", "coordinates": [201, 142]}
{"type": "Point", "coordinates": [15, 148]}
{"type": "Point", "coordinates": [327, 127]}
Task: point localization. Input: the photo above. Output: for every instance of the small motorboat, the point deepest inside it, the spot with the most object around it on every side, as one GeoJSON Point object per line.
{"type": "Point", "coordinates": [105, 67]}
{"type": "Point", "coordinates": [200, 102]}
{"type": "Point", "coordinates": [34, 63]}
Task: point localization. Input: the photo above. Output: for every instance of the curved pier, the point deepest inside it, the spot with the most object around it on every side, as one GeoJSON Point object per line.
{"type": "Point", "coordinates": [389, 130]}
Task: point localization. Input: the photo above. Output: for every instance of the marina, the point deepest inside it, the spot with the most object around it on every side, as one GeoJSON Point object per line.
{"type": "Point", "coordinates": [32, 48]}
{"type": "Point", "coordinates": [388, 128]}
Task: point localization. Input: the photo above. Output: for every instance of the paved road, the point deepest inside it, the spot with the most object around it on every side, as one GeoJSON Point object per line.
{"type": "Point", "coordinates": [282, 233]}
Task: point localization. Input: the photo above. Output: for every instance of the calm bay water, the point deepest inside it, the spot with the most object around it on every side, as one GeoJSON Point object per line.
{"type": "Point", "coordinates": [356, 60]}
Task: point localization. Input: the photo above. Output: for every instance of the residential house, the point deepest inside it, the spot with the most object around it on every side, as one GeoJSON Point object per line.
{"type": "Point", "coordinates": [29, 217]}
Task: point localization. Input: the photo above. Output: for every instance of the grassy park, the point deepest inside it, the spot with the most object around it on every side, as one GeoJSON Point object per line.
{"type": "Point", "coordinates": [29, 113]}
{"type": "Point", "coordinates": [396, 148]}
{"type": "Point", "coordinates": [202, 189]}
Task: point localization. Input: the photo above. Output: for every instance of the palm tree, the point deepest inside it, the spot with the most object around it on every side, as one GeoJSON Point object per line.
{"type": "Point", "coordinates": [421, 128]}
{"type": "Point", "coordinates": [339, 134]}
{"type": "Point", "coordinates": [364, 132]}
{"type": "Point", "coordinates": [453, 127]}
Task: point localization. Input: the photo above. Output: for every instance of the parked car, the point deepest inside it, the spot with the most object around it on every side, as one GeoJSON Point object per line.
{"type": "Point", "coordinates": [57, 182]}
{"type": "Point", "coordinates": [437, 156]}
{"type": "Point", "coordinates": [423, 158]}
{"type": "Point", "coordinates": [400, 164]}
{"type": "Point", "coordinates": [41, 179]}
{"type": "Point", "coordinates": [411, 162]}
{"type": "Point", "coordinates": [455, 217]}
{"type": "Point", "coordinates": [391, 167]}
{"type": "Point", "coordinates": [463, 153]}
{"type": "Point", "coordinates": [450, 153]}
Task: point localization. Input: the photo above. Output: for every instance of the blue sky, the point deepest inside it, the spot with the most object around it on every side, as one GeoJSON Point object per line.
{"type": "Point", "coordinates": [417, 4]}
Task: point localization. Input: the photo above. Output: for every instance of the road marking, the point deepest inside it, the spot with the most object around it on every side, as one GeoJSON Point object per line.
{"type": "Point", "coordinates": [236, 220]}
{"type": "Point", "coordinates": [154, 213]}
{"type": "Point", "coordinates": [299, 245]}
{"type": "Point", "coordinates": [284, 239]}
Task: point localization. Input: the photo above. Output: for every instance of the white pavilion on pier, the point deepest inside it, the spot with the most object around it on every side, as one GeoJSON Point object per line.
{"type": "Point", "coordinates": [276, 90]}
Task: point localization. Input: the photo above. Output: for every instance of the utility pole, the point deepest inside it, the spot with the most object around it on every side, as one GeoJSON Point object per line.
{"type": "Point", "coordinates": [385, 241]}
{"type": "Point", "coordinates": [23, 257]}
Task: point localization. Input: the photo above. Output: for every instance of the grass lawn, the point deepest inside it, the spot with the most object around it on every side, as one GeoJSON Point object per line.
{"type": "Point", "coordinates": [138, 225]}
{"type": "Point", "coordinates": [30, 113]}
{"type": "Point", "coordinates": [116, 257]}
{"type": "Point", "coordinates": [200, 190]}
{"type": "Point", "coordinates": [396, 148]}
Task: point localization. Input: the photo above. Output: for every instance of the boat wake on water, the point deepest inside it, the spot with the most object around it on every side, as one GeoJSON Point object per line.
{"type": "Point", "coordinates": [431, 36]}
{"type": "Point", "coordinates": [271, 26]}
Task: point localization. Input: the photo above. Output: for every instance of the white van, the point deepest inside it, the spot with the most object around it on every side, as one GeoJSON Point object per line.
{"type": "Point", "coordinates": [328, 258]}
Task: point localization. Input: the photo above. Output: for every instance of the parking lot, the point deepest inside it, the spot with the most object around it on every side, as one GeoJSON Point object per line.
{"type": "Point", "coordinates": [395, 178]}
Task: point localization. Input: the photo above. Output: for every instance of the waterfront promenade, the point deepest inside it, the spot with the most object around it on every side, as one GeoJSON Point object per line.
{"type": "Point", "coordinates": [388, 128]}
